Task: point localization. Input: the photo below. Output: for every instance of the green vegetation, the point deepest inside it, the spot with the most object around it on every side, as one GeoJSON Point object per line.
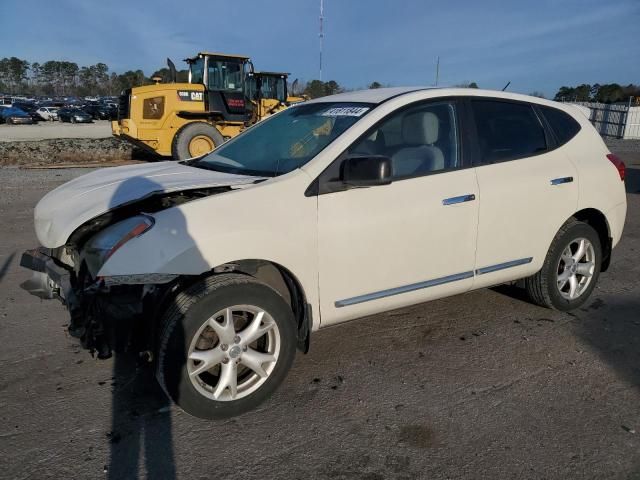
{"type": "Point", "coordinates": [56, 77]}
{"type": "Point", "coordinates": [607, 93]}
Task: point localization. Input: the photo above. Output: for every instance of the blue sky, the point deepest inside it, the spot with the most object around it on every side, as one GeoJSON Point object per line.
{"type": "Point", "coordinates": [537, 45]}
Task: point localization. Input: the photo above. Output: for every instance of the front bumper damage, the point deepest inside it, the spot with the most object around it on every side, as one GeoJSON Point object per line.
{"type": "Point", "coordinates": [49, 279]}
{"type": "Point", "coordinates": [102, 316]}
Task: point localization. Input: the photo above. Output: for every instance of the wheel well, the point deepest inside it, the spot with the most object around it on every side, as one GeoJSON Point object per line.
{"type": "Point", "coordinates": [285, 283]}
{"type": "Point", "coordinates": [598, 221]}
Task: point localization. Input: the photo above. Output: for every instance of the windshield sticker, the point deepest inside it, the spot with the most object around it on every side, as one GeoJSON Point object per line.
{"type": "Point", "coordinates": [345, 112]}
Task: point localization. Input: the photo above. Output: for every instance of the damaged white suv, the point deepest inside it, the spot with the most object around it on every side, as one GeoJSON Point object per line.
{"type": "Point", "coordinates": [219, 267]}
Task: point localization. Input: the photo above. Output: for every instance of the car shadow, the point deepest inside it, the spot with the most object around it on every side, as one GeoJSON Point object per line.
{"type": "Point", "coordinates": [141, 422]}
{"type": "Point", "coordinates": [5, 265]}
{"type": "Point", "coordinates": [632, 180]}
{"type": "Point", "coordinates": [141, 425]}
{"type": "Point", "coordinates": [612, 328]}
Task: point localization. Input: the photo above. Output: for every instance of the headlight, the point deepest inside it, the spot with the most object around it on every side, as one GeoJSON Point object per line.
{"type": "Point", "coordinates": [106, 242]}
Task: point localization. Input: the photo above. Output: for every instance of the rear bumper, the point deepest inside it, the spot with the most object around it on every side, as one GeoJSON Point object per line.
{"type": "Point", "coordinates": [49, 279]}
{"type": "Point", "coordinates": [21, 121]}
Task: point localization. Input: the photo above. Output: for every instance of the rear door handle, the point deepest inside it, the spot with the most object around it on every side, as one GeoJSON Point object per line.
{"type": "Point", "coordinates": [560, 181]}
{"type": "Point", "coordinates": [462, 198]}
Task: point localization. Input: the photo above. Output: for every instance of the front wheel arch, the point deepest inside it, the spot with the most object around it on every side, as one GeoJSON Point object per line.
{"type": "Point", "coordinates": [275, 275]}
{"type": "Point", "coordinates": [180, 321]}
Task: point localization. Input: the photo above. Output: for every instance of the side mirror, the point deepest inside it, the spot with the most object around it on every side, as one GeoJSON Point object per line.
{"type": "Point", "coordinates": [366, 171]}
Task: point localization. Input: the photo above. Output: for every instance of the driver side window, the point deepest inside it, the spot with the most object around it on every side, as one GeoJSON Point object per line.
{"type": "Point", "coordinates": [418, 140]}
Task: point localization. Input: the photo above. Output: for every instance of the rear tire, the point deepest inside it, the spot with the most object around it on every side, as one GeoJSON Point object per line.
{"type": "Point", "coordinates": [570, 270]}
{"type": "Point", "coordinates": [194, 140]}
{"type": "Point", "coordinates": [200, 350]}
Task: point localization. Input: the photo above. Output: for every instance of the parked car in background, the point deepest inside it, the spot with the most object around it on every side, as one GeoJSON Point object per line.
{"type": "Point", "coordinates": [74, 115]}
{"type": "Point", "coordinates": [101, 112]}
{"type": "Point", "coordinates": [29, 108]}
{"type": "Point", "coordinates": [15, 116]}
{"type": "Point", "coordinates": [48, 113]}
{"type": "Point", "coordinates": [334, 209]}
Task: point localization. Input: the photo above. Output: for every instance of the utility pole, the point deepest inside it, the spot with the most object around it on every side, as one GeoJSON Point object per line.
{"type": "Point", "coordinates": [437, 70]}
{"type": "Point", "coordinates": [321, 35]}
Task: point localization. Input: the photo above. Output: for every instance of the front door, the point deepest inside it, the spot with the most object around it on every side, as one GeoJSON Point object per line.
{"type": "Point", "coordinates": [388, 246]}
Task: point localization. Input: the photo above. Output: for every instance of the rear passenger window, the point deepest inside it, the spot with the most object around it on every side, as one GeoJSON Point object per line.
{"type": "Point", "coordinates": [562, 124]}
{"type": "Point", "coordinates": [507, 131]}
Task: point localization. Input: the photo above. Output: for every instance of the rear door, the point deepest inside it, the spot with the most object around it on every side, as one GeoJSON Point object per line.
{"type": "Point", "coordinates": [528, 189]}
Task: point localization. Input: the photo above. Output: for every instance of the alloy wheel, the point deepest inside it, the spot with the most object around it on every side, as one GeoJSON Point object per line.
{"type": "Point", "coordinates": [233, 353]}
{"type": "Point", "coordinates": [575, 268]}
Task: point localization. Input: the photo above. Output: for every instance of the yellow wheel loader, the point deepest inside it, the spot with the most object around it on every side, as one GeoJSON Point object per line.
{"type": "Point", "coordinates": [186, 120]}
{"type": "Point", "coordinates": [269, 93]}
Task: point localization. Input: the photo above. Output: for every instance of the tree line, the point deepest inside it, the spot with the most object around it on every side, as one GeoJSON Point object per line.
{"type": "Point", "coordinates": [63, 78]}
{"type": "Point", "coordinates": [606, 93]}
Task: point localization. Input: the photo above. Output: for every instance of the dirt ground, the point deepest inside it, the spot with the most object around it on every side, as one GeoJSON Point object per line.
{"type": "Point", "coordinates": [482, 385]}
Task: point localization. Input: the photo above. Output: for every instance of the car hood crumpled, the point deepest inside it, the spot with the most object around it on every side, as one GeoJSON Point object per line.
{"type": "Point", "coordinates": [70, 205]}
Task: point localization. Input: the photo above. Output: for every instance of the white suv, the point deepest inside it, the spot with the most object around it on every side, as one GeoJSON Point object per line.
{"type": "Point", "coordinates": [219, 267]}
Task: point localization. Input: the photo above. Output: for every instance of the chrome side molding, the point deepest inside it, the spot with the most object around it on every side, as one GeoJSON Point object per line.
{"type": "Point", "coordinates": [398, 290]}
{"type": "Point", "coordinates": [430, 283]}
{"type": "Point", "coordinates": [502, 266]}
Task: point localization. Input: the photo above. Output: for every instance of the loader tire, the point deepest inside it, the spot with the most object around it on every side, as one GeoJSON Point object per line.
{"type": "Point", "coordinates": [195, 140]}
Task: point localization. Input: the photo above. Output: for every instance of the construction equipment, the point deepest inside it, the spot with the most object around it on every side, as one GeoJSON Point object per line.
{"type": "Point", "coordinates": [269, 93]}
{"type": "Point", "coordinates": [223, 96]}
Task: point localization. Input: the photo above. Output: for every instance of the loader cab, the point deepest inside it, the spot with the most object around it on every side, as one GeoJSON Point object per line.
{"type": "Point", "coordinates": [272, 85]}
{"type": "Point", "coordinates": [224, 78]}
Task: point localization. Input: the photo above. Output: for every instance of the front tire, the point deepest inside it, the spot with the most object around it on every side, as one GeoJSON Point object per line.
{"type": "Point", "coordinates": [570, 270]}
{"type": "Point", "coordinates": [194, 140]}
{"type": "Point", "coordinates": [225, 345]}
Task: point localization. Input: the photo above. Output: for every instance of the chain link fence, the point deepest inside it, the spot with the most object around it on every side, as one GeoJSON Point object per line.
{"type": "Point", "coordinates": [614, 120]}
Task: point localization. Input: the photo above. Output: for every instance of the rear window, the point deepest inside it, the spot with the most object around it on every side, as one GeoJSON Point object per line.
{"type": "Point", "coordinates": [564, 126]}
{"type": "Point", "coordinates": [507, 130]}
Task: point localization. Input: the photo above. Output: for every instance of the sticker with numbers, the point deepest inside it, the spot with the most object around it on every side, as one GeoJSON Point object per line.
{"type": "Point", "coordinates": [190, 96]}
{"type": "Point", "coordinates": [345, 112]}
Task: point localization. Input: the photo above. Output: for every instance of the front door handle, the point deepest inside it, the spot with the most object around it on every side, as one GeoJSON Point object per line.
{"type": "Point", "coordinates": [462, 198]}
{"type": "Point", "coordinates": [561, 180]}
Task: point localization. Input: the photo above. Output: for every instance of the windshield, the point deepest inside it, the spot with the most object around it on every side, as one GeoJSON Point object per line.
{"type": "Point", "coordinates": [273, 87]}
{"type": "Point", "coordinates": [225, 75]}
{"type": "Point", "coordinates": [285, 141]}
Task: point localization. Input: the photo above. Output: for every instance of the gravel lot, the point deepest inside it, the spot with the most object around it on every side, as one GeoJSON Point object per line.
{"type": "Point", "coordinates": [53, 130]}
{"type": "Point", "coordinates": [482, 385]}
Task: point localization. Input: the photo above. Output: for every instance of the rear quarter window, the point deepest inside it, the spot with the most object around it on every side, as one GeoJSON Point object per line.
{"type": "Point", "coordinates": [564, 126]}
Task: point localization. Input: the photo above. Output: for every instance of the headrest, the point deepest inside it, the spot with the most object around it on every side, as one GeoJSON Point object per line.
{"type": "Point", "coordinates": [420, 128]}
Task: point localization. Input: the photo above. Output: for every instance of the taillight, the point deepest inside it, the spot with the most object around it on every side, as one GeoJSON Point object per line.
{"type": "Point", "coordinates": [619, 164]}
